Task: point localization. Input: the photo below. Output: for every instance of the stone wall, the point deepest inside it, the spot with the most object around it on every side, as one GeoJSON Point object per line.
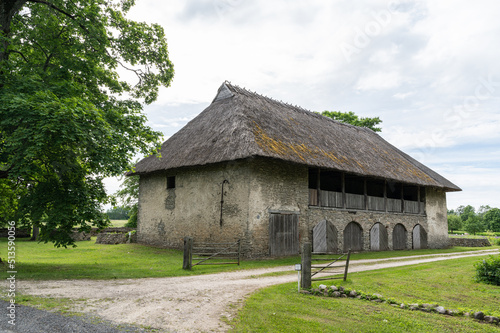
{"type": "Point", "coordinates": [437, 218]}
{"type": "Point", "coordinates": [341, 218]}
{"type": "Point", "coordinates": [469, 242]}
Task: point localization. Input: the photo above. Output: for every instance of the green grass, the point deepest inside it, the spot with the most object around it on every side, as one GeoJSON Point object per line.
{"type": "Point", "coordinates": [118, 223]}
{"type": "Point", "coordinates": [449, 283]}
{"type": "Point", "coordinates": [38, 261]}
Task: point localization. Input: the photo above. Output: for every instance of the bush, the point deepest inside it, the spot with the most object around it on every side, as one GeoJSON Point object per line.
{"type": "Point", "coordinates": [488, 270]}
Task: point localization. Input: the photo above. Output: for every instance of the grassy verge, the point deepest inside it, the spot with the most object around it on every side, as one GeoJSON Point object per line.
{"type": "Point", "coordinates": [37, 261]}
{"type": "Point", "coordinates": [450, 284]}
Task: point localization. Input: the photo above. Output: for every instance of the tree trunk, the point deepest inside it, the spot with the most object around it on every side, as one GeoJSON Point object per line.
{"type": "Point", "coordinates": [36, 232]}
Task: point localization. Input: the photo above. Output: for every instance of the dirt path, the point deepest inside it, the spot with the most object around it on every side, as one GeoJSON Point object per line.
{"type": "Point", "coordinates": [188, 304]}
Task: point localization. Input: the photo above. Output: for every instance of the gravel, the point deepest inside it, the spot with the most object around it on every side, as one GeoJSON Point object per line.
{"type": "Point", "coordinates": [31, 320]}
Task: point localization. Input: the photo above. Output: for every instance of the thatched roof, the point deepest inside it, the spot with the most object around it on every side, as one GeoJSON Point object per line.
{"type": "Point", "coordinates": [240, 124]}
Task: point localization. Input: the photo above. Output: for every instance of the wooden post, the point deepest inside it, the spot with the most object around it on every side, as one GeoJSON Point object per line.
{"type": "Point", "coordinates": [305, 281]}
{"type": "Point", "coordinates": [239, 250]}
{"type": "Point", "coordinates": [188, 253]}
{"type": "Point", "coordinates": [347, 264]}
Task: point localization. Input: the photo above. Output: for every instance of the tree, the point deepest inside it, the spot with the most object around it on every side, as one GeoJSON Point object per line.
{"type": "Point", "coordinates": [454, 222]}
{"type": "Point", "coordinates": [118, 213]}
{"type": "Point", "coordinates": [466, 212]}
{"type": "Point", "coordinates": [492, 219]}
{"type": "Point", "coordinates": [129, 197]}
{"type": "Point", "coordinates": [351, 118]}
{"type": "Point", "coordinates": [67, 120]}
{"type": "Point", "coordinates": [473, 225]}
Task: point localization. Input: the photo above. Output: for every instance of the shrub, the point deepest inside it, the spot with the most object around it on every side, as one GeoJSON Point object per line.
{"type": "Point", "coordinates": [488, 270]}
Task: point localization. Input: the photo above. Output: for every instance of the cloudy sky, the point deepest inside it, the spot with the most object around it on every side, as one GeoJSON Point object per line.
{"type": "Point", "coordinates": [429, 69]}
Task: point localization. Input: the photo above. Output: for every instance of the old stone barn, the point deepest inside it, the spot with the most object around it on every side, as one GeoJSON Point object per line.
{"type": "Point", "coordinates": [275, 175]}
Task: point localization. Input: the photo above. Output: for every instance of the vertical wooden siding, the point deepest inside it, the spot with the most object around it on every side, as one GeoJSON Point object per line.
{"type": "Point", "coordinates": [378, 238]}
{"type": "Point", "coordinates": [353, 237]}
{"type": "Point", "coordinates": [283, 234]}
{"type": "Point", "coordinates": [325, 237]}
{"type": "Point", "coordinates": [399, 237]}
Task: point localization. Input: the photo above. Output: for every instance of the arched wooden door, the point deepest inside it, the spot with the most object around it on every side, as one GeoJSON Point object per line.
{"type": "Point", "coordinates": [353, 237]}
{"type": "Point", "coordinates": [419, 237]}
{"type": "Point", "coordinates": [325, 237]}
{"type": "Point", "coordinates": [399, 237]}
{"type": "Point", "coordinates": [378, 238]}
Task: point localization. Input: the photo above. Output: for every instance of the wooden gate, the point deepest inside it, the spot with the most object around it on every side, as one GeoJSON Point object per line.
{"type": "Point", "coordinates": [378, 238]}
{"type": "Point", "coordinates": [419, 237]}
{"type": "Point", "coordinates": [283, 234]}
{"type": "Point", "coordinates": [353, 237]}
{"type": "Point", "coordinates": [399, 237]}
{"type": "Point", "coordinates": [325, 237]}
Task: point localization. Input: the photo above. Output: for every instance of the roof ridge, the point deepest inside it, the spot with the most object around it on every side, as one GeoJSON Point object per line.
{"type": "Point", "coordinates": [246, 92]}
{"type": "Point", "coordinates": [241, 90]}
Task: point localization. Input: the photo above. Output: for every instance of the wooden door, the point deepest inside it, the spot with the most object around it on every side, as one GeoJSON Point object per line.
{"type": "Point", "coordinates": [353, 237]}
{"type": "Point", "coordinates": [378, 238]}
{"type": "Point", "coordinates": [283, 234]}
{"type": "Point", "coordinates": [399, 237]}
{"type": "Point", "coordinates": [325, 237]}
{"type": "Point", "coordinates": [419, 237]}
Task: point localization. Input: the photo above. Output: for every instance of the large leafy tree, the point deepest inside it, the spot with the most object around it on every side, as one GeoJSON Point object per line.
{"type": "Point", "coordinates": [353, 119]}
{"type": "Point", "coordinates": [67, 120]}
{"type": "Point", "coordinates": [492, 219]}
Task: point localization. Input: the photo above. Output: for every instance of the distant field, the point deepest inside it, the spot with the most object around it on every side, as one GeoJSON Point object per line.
{"type": "Point", "coordinates": [118, 223]}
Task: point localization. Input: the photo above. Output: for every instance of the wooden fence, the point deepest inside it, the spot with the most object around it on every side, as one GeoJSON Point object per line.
{"type": "Point", "coordinates": [324, 266]}
{"type": "Point", "coordinates": [210, 253]}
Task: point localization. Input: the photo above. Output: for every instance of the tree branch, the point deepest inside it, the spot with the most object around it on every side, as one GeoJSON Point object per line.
{"type": "Point", "coordinates": [20, 53]}
{"type": "Point", "coordinates": [53, 7]}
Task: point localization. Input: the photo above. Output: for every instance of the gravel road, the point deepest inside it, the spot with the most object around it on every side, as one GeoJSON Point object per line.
{"type": "Point", "coordinates": [177, 304]}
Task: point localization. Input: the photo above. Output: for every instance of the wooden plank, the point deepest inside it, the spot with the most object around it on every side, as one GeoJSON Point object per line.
{"type": "Point", "coordinates": [375, 237]}
{"type": "Point", "coordinates": [399, 237]}
{"type": "Point", "coordinates": [353, 237]}
{"type": "Point", "coordinates": [188, 255]}
{"type": "Point", "coordinates": [355, 201]}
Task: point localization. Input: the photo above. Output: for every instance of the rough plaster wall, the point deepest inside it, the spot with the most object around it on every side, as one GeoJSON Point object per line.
{"type": "Point", "coordinates": [437, 218]}
{"type": "Point", "coordinates": [193, 208]}
{"type": "Point", "coordinates": [275, 187]}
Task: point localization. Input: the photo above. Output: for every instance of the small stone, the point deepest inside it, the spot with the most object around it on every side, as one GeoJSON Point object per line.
{"type": "Point", "coordinates": [413, 307]}
{"type": "Point", "coordinates": [377, 296]}
{"type": "Point", "coordinates": [336, 294]}
{"type": "Point", "coordinates": [341, 288]}
{"type": "Point", "coordinates": [377, 300]}
{"type": "Point", "coordinates": [306, 292]}
{"type": "Point", "coordinates": [359, 297]}
{"type": "Point", "coordinates": [466, 314]}
{"type": "Point", "coordinates": [334, 288]}
{"type": "Point", "coordinates": [322, 287]}
{"type": "Point", "coordinates": [402, 306]}
{"type": "Point", "coordinates": [478, 315]}
{"type": "Point", "coordinates": [395, 305]}
{"type": "Point", "coordinates": [344, 295]}
{"type": "Point", "coordinates": [353, 293]}
{"type": "Point", "coordinates": [441, 310]}
{"type": "Point", "coordinates": [426, 305]}
{"type": "Point", "coordinates": [491, 319]}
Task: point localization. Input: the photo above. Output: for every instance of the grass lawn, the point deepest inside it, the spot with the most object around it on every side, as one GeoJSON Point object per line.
{"type": "Point", "coordinates": [448, 283]}
{"type": "Point", "coordinates": [88, 260]}
{"type": "Point", "coordinates": [118, 223]}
